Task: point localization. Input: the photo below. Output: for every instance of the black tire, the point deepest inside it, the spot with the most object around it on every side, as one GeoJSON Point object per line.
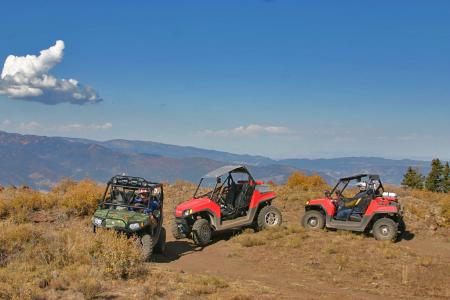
{"type": "Point", "coordinates": [146, 243]}
{"type": "Point", "coordinates": [385, 229]}
{"type": "Point", "coordinates": [269, 217]}
{"type": "Point", "coordinates": [160, 246]}
{"type": "Point", "coordinates": [313, 219]}
{"type": "Point", "coordinates": [201, 232]}
{"type": "Point", "coordinates": [176, 231]}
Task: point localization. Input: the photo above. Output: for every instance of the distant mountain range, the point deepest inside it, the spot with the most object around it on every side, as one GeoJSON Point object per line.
{"type": "Point", "coordinates": [40, 161]}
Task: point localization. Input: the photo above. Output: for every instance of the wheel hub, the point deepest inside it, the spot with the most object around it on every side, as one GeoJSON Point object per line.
{"type": "Point", "coordinates": [313, 222]}
{"type": "Point", "coordinates": [384, 230]}
{"type": "Point", "coordinates": [271, 219]}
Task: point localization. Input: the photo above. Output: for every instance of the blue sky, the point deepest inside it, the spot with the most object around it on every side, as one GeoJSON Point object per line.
{"type": "Point", "coordinates": [276, 78]}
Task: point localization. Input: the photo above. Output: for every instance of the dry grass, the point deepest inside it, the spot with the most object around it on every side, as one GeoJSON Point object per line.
{"type": "Point", "coordinates": [75, 198]}
{"type": "Point", "coordinates": [426, 209]}
{"type": "Point", "coordinates": [349, 259]}
{"type": "Point", "coordinates": [63, 259]}
{"type": "Point", "coordinates": [60, 257]}
{"type": "Point", "coordinates": [307, 183]}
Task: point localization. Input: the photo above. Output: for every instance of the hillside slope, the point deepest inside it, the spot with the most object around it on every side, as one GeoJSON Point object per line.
{"type": "Point", "coordinates": [40, 161]}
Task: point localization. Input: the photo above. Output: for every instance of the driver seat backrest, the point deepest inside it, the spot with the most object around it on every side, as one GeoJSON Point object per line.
{"type": "Point", "coordinates": [231, 195]}
{"type": "Point", "coordinates": [364, 203]}
{"type": "Point", "coordinates": [242, 199]}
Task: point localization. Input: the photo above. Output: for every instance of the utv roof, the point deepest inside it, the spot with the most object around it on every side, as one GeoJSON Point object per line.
{"type": "Point", "coordinates": [359, 176]}
{"type": "Point", "coordinates": [225, 170]}
{"type": "Point", "coordinates": [131, 181]}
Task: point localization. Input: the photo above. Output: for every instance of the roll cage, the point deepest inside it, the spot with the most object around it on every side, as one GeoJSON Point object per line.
{"type": "Point", "coordinates": [373, 181]}
{"type": "Point", "coordinates": [220, 185]}
{"type": "Point", "coordinates": [125, 187]}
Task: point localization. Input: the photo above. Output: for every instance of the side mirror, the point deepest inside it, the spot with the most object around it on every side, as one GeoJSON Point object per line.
{"type": "Point", "coordinates": [327, 194]}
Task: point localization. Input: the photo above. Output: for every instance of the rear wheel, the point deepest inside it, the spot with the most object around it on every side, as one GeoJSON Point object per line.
{"type": "Point", "coordinates": [146, 243]}
{"type": "Point", "coordinates": [161, 244]}
{"type": "Point", "coordinates": [176, 231]}
{"type": "Point", "coordinates": [269, 217]}
{"type": "Point", "coordinates": [201, 232]}
{"type": "Point", "coordinates": [385, 229]}
{"type": "Point", "coordinates": [313, 219]}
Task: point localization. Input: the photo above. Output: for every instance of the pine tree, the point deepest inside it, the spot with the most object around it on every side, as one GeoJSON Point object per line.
{"type": "Point", "coordinates": [446, 178]}
{"type": "Point", "coordinates": [434, 181]}
{"type": "Point", "coordinates": [412, 179]}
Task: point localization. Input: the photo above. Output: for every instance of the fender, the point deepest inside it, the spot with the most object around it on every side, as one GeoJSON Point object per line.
{"type": "Point", "coordinates": [375, 208]}
{"type": "Point", "coordinates": [325, 204]}
{"type": "Point", "coordinates": [258, 198]}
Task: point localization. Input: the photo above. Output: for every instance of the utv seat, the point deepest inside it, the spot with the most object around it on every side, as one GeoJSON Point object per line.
{"type": "Point", "coordinates": [231, 196]}
{"type": "Point", "coordinates": [119, 199]}
{"type": "Point", "coordinates": [242, 199]}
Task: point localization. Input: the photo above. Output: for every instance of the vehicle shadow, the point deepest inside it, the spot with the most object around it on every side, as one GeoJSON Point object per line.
{"type": "Point", "coordinates": [178, 248]}
{"type": "Point", "coordinates": [407, 236]}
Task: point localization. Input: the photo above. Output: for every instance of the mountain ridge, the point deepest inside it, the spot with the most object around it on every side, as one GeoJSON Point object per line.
{"type": "Point", "coordinates": [41, 160]}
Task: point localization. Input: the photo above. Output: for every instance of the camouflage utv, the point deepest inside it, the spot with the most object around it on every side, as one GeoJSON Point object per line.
{"type": "Point", "coordinates": [124, 208]}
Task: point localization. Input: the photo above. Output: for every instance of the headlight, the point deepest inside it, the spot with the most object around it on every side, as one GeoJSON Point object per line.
{"type": "Point", "coordinates": [98, 222]}
{"type": "Point", "coordinates": [134, 226]}
{"type": "Point", "coordinates": [187, 212]}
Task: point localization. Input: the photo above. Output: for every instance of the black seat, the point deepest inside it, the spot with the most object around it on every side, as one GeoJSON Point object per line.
{"type": "Point", "coordinates": [231, 196]}
{"type": "Point", "coordinates": [242, 199]}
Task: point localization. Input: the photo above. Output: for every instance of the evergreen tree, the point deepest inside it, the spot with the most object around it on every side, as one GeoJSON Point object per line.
{"type": "Point", "coordinates": [412, 179]}
{"type": "Point", "coordinates": [446, 178]}
{"type": "Point", "coordinates": [434, 181]}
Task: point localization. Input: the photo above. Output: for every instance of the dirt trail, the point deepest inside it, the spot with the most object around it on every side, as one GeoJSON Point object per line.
{"type": "Point", "coordinates": [280, 275]}
{"type": "Point", "coordinates": [279, 272]}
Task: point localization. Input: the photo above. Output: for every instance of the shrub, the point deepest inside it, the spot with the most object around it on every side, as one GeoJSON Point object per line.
{"type": "Point", "coordinates": [82, 198]}
{"type": "Point", "coordinates": [19, 203]}
{"type": "Point", "coordinates": [308, 183]}
{"type": "Point", "coordinates": [118, 256]}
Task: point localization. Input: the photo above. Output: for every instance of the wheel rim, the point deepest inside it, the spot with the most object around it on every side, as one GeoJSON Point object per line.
{"type": "Point", "coordinates": [313, 222]}
{"type": "Point", "coordinates": [271, 219]}
{"type": "Point", "coordinates": [204, 233]}
{"type": "Point", "coordinates": [385, 230]}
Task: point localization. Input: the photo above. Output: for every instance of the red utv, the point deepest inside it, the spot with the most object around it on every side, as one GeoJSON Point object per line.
{"type": "Point", "coordinates": [226, 198]}
{"type": "Point", "coordinates": [372, 210]}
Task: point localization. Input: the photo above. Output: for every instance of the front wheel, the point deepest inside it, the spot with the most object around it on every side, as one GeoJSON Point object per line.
{"type": "Point", "coordinates": [269, 217]}
{"type": "Point", "coordinates": [385, 229]}
{"type": "Point", "coordinates": [161, 244]}
{"type": "Point", "coordinates": [201, 232]}
{"type": "Point", "coordinates": [146, 243]}
{"type": "Point", "coordinates": [176, 231]}
{"type": "Point", "coordinates": [313, 219]}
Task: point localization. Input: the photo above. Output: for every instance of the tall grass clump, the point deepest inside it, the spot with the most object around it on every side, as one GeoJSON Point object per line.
{"type": "Point", "coordinates": [31, 261]}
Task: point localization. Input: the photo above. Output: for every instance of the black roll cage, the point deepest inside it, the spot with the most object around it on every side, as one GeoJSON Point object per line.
{"type": "Point", "coordinates": [131, 183]}
{"type": "Point", "coordinates": [347, 180]}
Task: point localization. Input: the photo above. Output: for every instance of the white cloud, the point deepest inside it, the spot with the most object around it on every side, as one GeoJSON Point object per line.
{"type": "Point", "coordinates": [27, 78]}
{"type": "Point", "coordinates": [81, 127]}
{"type": "Point", "coordinates": [249, 130]}
{"type": "Point", "coordinates": [32, 125]}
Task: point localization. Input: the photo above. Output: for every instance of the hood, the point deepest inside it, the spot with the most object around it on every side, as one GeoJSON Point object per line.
{"type": "Point", "coordinates": [124, 215]}
{"type": "Point", "coordinates": [194, 204]}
